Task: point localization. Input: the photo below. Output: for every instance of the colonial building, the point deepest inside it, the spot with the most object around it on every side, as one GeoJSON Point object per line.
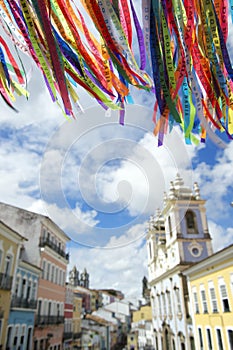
{"type": "Point", "coordinates": [211, 293]}
{"type": "Point", "coordinates": [142, 326]}
{"type": "Point", "coordinates": [45, 248]}
{"type": "Point", "coordinates": [23, 305]}
{"type": "Point", "coordinates": [68, 321]}
{"type": "Point", "coordinates": [77, 314]}
{"type": "Point", "coordinates": [10, 244]}
{"type": "Point", "coordinates": [177, 238]}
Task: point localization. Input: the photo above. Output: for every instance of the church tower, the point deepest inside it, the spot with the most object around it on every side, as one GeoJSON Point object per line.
{"type": "Point", "coordinates": [84, 281]}
{"type": "Point", "coordinates": [187, 236]}
{"type": "Point", "coordinates": [177, 237]}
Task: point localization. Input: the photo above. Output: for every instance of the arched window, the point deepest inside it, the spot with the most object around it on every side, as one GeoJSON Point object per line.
{"type": "Point", "coordinates": [170, 226]}
{"type": "Point", "coordinates": [191, 223]}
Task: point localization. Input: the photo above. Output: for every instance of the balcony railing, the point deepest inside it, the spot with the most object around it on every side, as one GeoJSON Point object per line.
{"type": "Point", "coordinates": [45, 320]}
{"type": "Point", "coordinates": [5, 281]}
{"type": "Point", "coordinates": [45, 241]}
{"type": "Point", "coordinates": [77, 335]}
{"type": "Point", "coordinates": [23, 303]}
{"type": "Point", "coordinates": [67, 335]}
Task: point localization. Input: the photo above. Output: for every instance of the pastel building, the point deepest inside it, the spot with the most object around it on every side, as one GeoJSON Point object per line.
{"type": "Point", "coordinates": [211, 294]}
{"type": "Point", "coordinates": [10, 244]}
{"type": "Point", "coordinates": [23, 305]}
{"type": "Point", "coordinates": [77, 314]}
{"type": "Point", "coordinates": [143, 327]}
{"type": "Point", "coordinates": [177, 238]}
{"type": "Point", "coordinates": [46, 249]}
{"type": "Point", "coordinates": [68, 318]}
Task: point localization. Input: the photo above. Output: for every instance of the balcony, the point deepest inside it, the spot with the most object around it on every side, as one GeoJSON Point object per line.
{"type": "Point", "coordinates": [5, 281]}
{"type": "Point", "coordinates": [46, 320]}
{"type": "Point", "coordinates": [45, 241]}
{"type": "Point", "coordinates": [77, 335]}
{"type": "Point", "coordinates": [67, 335]}
{"type": "Point", "coordinates": [23, 303]}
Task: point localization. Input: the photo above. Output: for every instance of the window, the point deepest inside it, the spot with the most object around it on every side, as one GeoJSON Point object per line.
{"type": "Point", "coordinates": [48, 271]}
{"type": "Point", "coordinates": [219, 338]}
{"type": "Point", "coordinates": [39, 307]}
{"type": "Point", "coordinates": [192, 343]}
{"type": "Point", "coordinates": [190, 218]}
{"type": "Point", "coordinates": [49, 308]}
{"type": "Point", "coordinates": [170, 226]}
{"type": "Point", "coordinates": [23, 331]}
{"type": "Point", "coordinates": [178, 302]}
{"type": "Point", "coordinates": [56, 275]}
{"type": "Point", "coordinates": [200, 339]}
{"type": "Point", "coordinates": [34, 289]}
{"type": "Point", "coordinates": [29, 339]}
{"type": "Point", "coordinates": [231, 282]}
{"type": "Point", "coordinates": [9, 340]}
{"type": "Point", "coordinates": [44, 269]}
{"type": "Point", "coordinates": [230, 339]}
{"type": "Point", "coordinates": [160, 305]}
{"type": "Point", "coordinates": [225, 302]}
{"type": "Point", "coordinates": [204, 301]}
{"type": "Point", "coordinates": [164, 304]}
{"type": "Point", "coordinates": [24, 284]}
{"type": "Point", "coordinates": [15, 341]}
{"type": "Point", "coordinates": [8, 262]}
{"type": "Point", "coordinates": [60, 278]}
{"type": "Point", "coordinates": [52, 273]}
{"type": "Point", "coordinates": [29, 290]}
{"type": "Point", "coordinates": [150, 250]}
{"type": "Point", "coordinates": [17, 286]}
{"type": "Point", "coordinates": [196, 305]}
{"type": "Point", "coordinates": [213, 297]}
{"type": "Point", "coordinates": [209, 339]}
{"type": "Point", "coordinates": [169, 302]}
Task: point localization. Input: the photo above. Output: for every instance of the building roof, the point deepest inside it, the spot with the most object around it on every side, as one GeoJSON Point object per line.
{"type": "Point", "coordinates": [98, 319]}
{"type": "Point", "coordinates": [36, 215]}
{"type": "Point", "coordinates": [15, 232]}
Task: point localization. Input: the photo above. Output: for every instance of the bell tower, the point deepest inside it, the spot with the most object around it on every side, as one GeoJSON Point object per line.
{"type": "Point", "coordinates": [187, 236]}
{"type": "Point", "coordinates": [179, 233]}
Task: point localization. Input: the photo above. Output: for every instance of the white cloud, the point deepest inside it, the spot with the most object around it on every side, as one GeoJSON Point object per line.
{"type": "Point", "coordinates": [122, 268]}
{"type": "Point", "coordinates": [146, 173]}
{"type": "Point", "coordinates": [221, 237]}
{"type": "Point", "coordinates": [216, 183]}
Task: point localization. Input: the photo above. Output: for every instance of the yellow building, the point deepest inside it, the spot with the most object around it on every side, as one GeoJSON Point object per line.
{"type": "Point", "coordinates": [132, 340]}
{"type": "Point", "coordinates": [211, 300]}
{"type": "Point", "coordinates": [10, 243]}
{"type": "Point", "coordinates": [141, 334]}
{"type": "Point", "coordinates": [77, 313]}
{"type": "Point", "coordinates": [144, 313]}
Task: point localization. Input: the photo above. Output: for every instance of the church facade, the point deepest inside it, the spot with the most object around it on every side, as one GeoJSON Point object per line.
{"type": "Point", "coordinates": [177, 238]}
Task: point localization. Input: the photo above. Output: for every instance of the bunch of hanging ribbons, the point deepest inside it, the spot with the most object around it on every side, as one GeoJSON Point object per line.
{"type": "Point", "coordinates": [175, 49]}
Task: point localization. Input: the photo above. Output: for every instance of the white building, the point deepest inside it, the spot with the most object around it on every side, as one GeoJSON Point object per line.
{"type": "Point", "coordinates": [177, 237]}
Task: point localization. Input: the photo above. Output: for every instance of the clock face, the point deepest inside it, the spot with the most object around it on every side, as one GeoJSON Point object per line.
{"type": "Point", "coordinates": [195, 251]}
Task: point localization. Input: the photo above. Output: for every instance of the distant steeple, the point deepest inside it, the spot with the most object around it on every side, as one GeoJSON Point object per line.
{"type": "Point", "coordinates": [74, 277]}
{"type": "Point", "coordinates": [145, 290]}
{"type": "Point", "coordinates": [84, 282]}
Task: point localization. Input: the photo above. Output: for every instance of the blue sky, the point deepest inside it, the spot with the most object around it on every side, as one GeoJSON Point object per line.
{"type": "Point", "coordinates": [101, 181]}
